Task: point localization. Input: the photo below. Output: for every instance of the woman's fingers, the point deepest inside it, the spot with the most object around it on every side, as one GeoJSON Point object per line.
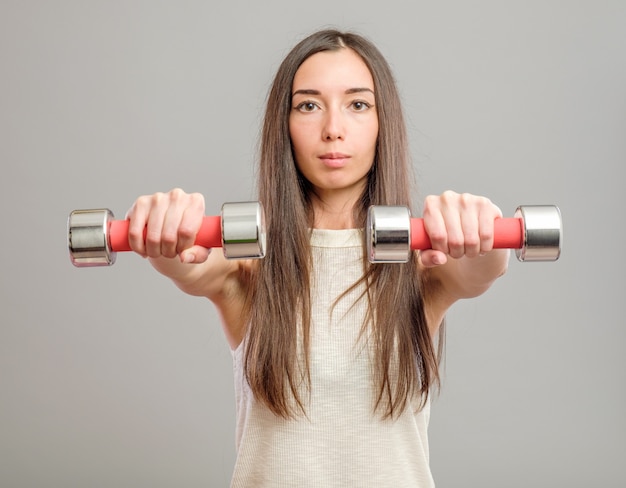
{"type": "Point", "coordinates": [458, 225]}
{"type": "Point", "coordinates": [166, 224]}
{"type": "Point", "coordinates": [190, 222]}
{"type": "Point", "coordinates": [155, 224]}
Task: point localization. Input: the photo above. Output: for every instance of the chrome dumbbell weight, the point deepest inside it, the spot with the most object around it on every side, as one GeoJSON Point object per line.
{"type": "Point", "coordinates": [535, 232]}
{"type": "Point", "coordinates": [94, 238]}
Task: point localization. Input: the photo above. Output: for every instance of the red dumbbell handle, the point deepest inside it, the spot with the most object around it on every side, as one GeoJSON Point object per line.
{"type": "Point", "coordinates": [209, 236]}
{"type": "Point", "coordinates": [508, 234]}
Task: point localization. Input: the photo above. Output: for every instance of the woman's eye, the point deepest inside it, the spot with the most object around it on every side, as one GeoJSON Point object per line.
{"type": "Point", "coordinates": [360, 105]}
{"type": "Point", "coordinates": [306, 107]}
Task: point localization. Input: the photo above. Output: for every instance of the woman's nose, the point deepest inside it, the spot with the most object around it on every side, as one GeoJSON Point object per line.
{"type": "Point", "coordinates": [333, 126]}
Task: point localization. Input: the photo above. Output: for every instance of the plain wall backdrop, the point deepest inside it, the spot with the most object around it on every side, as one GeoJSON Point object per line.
{"type": "Point", "coordinates": [112, 377]}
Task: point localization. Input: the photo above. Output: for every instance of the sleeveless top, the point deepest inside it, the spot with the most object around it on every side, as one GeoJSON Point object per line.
{"type": "Point", "coordinates": [342, 441]}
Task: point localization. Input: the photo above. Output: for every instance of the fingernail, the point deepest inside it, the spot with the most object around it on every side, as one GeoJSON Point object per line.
{"type": "Point", "coordinates": [189, 258]}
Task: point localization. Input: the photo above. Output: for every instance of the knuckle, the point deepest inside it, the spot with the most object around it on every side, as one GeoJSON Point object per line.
{"type": "Point", "coordinates": [158, 199]}
{"type": "Point", "coordinates": [168, 252]}
{"type": "Point", "coordinates": [186, 232]}
{"type": "Point", "coordinates": [136, 241]}
{"type": "Point", "coordinates": [430, 202]}
{"type": "Point", "coordinates": [485, 203]}
{"type": "Point", "coordinates": [153, 238]}
{"type": "Point", "coordinates": [456, 242]}
{"type": "Point", "coordinates": [169, 238]}
{"type": "Point", "coordinates": [142, 203]}
{"type": "Point", "coordinates": [177, 194]}
{"type": "Point", "coordinates": [197, 200]}
{"type": "Point", "coordinates": [134, 234]}
{"type": "Point", "coordinates": [472, 241]}
{"type": "Point", "coordinates": [430, 199]}
{"type": "Point", "coordinates": [466, 200]}
{"type": "Point", "coordinates": [449, 196]}
{"type": "Point", "coordinates": [486, 234]}
{"type": "Point", "coordinates": [437, 237]}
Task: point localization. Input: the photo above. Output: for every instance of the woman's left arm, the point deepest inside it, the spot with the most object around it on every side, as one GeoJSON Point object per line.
{"type": "Point", "coordinates": [462, 262]}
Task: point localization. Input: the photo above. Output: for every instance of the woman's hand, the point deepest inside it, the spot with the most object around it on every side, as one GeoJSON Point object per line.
{"type": "Point", "coordinates": [171, 221]}
{"type": "Point", "coordinates": [458, 225]}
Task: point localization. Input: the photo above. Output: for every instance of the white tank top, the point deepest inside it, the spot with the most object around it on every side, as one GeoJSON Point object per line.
{"type": "Point", "coordinates": [342, 442]}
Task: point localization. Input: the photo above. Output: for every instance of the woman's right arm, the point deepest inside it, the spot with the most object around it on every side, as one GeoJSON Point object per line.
{"type": "Point", "coordinates": [171, 221]}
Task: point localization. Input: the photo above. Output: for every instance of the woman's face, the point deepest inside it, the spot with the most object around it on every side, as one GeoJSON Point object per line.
{"type": "Point", "coordinates": [333, 122]}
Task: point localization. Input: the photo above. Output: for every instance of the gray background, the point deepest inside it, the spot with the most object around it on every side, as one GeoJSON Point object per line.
{"type": "Point", "coordinates": [111, 377]}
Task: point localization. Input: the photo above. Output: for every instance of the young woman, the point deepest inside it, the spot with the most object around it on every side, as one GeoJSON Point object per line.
{"type": "Point", "coordinates": [334, 358]}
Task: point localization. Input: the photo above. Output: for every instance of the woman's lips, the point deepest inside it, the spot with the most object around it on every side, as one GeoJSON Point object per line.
{"type": "Point", "coordinates": [334, 160]}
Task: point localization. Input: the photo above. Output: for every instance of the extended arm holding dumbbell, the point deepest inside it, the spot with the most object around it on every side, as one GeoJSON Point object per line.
{"type": "Point", "coordinates": [94, 238]}
{"type": "Point", "coordinates": [535, 233]}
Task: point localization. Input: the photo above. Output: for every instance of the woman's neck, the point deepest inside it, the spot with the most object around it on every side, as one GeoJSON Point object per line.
{"type": "Point", "coordinates": [333, 211]}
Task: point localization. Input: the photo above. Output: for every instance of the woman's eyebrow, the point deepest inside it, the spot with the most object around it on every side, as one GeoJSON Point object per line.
{"type": "Point", "coordinates": [359, 90]}
{"type": "Point", "coordinates": [349, 91]}
{"type": "Point", "coordinates": [306, 92]}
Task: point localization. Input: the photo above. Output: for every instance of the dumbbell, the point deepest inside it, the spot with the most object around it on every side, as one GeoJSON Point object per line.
{"type": "Point", "coordinates": [94, 238]}
{"type": "Point", "coordinates": [535, 232]}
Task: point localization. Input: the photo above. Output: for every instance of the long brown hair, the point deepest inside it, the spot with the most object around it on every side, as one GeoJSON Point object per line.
{"type": "Point", "coordinates": [277, 353]}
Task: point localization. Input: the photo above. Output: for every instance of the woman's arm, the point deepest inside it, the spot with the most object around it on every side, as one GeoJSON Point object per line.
{"type": "Point", "coordinates": [462, 262]}
{"type": "Point", "coordinates": [171, 222]}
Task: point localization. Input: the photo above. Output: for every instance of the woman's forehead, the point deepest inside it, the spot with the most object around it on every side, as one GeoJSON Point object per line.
{"type": "Point", "coordinates": [343, 69]}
